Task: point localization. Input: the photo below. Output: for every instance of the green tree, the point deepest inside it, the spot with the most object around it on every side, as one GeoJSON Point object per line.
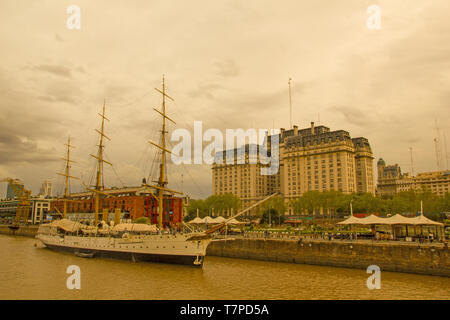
{"type": "Point", "coordinates": [192, 208]}
{"type": "Point", "coordinates": [142, 220]}
{"type": "Point", "coordinates": [276, 203]}
{"type": "Point", "coordinates": [272, 216]}
{"type": "Point", "coordinates": [222, 203]}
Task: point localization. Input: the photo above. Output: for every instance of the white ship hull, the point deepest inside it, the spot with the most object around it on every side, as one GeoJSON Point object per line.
{"type": "Point", "coordinates": [176, 249]}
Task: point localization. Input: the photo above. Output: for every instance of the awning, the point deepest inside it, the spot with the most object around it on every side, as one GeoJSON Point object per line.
{"type": "Point", "coordinates": [197, 220]}
{"type": "Point", "coordinates": [66, 225]}
{"type": "Point", "coordinates": [394, 220]}
{"type": "Point", "coordinates": [351, 220]}
{"type": "Point", "coordinates": [373, 219]}
{"type": "Point", "coordinates": [209, 220]}
{"type": "Point", "coordinates": [219, 219]}
{"type": "Point", "coordinates": [134, 227]}
{"type": "Point", "coordinates": [235, 222]}
{"type": "Point", "coordinates": [424, 221]}
{"type": "Point", "coordinates": [399, 219]}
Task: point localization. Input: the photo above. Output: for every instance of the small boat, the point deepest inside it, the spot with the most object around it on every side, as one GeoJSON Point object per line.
{"type": "Point", "coordinates": [84, 255]}
{"type": "Point", "coordinates": [14, 227]}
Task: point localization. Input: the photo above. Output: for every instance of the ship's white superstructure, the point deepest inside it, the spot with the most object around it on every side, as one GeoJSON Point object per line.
{"type": "Point", "coordinates": [167, 248]}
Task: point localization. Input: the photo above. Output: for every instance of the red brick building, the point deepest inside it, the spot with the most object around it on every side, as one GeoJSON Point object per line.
{"type": "Point", "coordinates": [136, 201]}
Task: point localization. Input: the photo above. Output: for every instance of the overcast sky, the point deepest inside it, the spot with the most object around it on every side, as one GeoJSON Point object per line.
{"type": "Point", "coordinates": [226, 63]}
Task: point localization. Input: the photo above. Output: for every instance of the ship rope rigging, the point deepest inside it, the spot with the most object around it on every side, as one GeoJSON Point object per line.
{"type": "Point", "coordinates": [67, 178]}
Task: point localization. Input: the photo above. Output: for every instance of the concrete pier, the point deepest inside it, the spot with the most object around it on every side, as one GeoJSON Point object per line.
{"type": "Point", "coordinates": [429, 259]}
{"type": "Point", "coordinates": [25, 231]}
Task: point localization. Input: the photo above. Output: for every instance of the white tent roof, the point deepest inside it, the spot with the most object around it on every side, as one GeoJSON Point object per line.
{"type": "Point", "coordinates": [373, 219]}
{"type": "Point", "coordinates": [396, 219]}
{"type": "Point", "coordinates": [219, 219]}
{"type": "Point", "coordinates": [208, 219]}
{"type": "Point", "coordinates": [351, 220]}
{"type": "Point", "coordinates": [197, 220]}
{"type": "Point", "coordinates": [234, 221]}
{"type": "Point", "coordinates": [422, 220]}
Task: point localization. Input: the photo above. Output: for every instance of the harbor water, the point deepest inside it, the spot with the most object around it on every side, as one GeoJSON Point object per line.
{"type": "Point", "coordinates": [30, 271]}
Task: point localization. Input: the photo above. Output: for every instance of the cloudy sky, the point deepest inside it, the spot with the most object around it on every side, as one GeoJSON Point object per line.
{"type": "Point", "coordinates": [226, 63]}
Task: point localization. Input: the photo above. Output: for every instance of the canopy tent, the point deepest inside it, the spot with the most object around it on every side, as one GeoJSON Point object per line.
{"type": "Point", "coordinates": [424, 221]}
{"type": "Point", "coordinates": [197, 220]}
{"type": "Point", "coordinates": [398, 219]}
{"type": "Point", "coordinates": [373, 219]}
{"type": "Point", "coordinates": [135, 227]}
{"type": "Point", "coordinates": [209, 220]}
{"type": "Point", "coordinates": [235, 222]}
{"type": "Point", "coordinates": [219, 219]}
{"type": "Point", "coordinates": [351, 220]}
{"type": "Point", "coordinates": [394, 220]}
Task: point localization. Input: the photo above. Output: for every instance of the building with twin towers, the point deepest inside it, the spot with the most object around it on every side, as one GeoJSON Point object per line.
{"type": "Point", "coordinates": [313, 158]}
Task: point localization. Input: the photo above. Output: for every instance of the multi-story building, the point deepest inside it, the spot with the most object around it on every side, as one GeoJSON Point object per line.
{"type": "Point", "coordinates": [313, 158]}
{"type": "Point", "coordinates": [244, 180]}
{"type": "Point", "coordinates": [8, 208]}
{"type": "Point", "coordinates": [391, 180]}
{"type": "Point", "coordinates": [38, 209]}
{"type": "Point", "coordinates": [134, 202]}
{"type": "Point", "coordinates": [11, 192]}
{"type": "Point", "coordinates": [438, 182]}
{"type": "Point", "coordinates": [46, 189]}
{"type": "Point", "coordinates": [323, 160]}
{"type": "Point", "coordinates": [40, 206]}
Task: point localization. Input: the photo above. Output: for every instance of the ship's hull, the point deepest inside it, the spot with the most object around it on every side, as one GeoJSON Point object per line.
{"type": "Point", "coordinates": [150, 249]}
{"type": "Point", "coordinates": [136, 257]}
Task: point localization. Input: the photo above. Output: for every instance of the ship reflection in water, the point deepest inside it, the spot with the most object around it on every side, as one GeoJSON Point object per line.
{"type": "Point", "coordinates": [29, 272]}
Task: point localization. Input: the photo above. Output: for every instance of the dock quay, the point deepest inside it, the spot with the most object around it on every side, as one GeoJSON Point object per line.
{"type": "Point", "coordinates": [429, 258]}
{"type": "Point", "coordinates": [24, 231]}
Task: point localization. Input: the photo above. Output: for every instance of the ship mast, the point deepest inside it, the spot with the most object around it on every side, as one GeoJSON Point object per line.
{"type": "Point", "coordinates": [162, 181]}
{"type": "Point", "coordinates": [99, 178]}
{"type": "Point", "coordinates": [67, 176]}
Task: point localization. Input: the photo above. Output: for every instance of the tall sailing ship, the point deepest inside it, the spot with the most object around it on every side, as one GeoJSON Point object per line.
{"type": "Point", "coordinates": [133, 241]}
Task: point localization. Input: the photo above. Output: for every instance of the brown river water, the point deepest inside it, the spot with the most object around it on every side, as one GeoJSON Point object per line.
{"type": "Point", "coordinates": [29, 272]}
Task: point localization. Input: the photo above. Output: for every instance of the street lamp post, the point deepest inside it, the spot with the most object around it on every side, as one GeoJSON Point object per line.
{"type": "Point", "coordinates": [351, 208]}
{"type": "Point", "coordinates": [270, 211]}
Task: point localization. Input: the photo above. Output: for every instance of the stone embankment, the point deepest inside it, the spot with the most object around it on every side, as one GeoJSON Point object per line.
{"type": "Point", "coordinates": [430, 259]}
{"type": "Point", "coordinates": [25, 231]}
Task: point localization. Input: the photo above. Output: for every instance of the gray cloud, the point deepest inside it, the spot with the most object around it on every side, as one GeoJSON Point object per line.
{"type": "Point", "coordinates": [17, 150]}
{"type": "Point", "coordinates": [58, 38]}
{"type": "Point", "coordinates": [60, 71]}
{"type": "Point", "coordinates": [226, 64]}
{"type": "Point", "coordinates": [227, 68]}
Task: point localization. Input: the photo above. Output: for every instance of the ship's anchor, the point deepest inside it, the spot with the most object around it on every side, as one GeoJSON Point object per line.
{"type": "Point", "coordinates": [197, 261]}
{"type": "Point", "coordinates": [133, 258]}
